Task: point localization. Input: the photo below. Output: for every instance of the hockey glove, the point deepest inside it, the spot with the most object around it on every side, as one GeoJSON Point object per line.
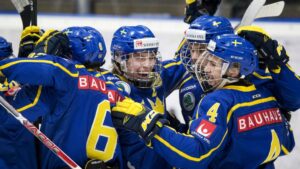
{"type": "Point", "coordinates": [29, 37]}
{"type": "Point", "coordinates": [53, 42]}
{"type": "Point", "coordinates": [271, 54]}
{"type": "Point", "coordinates": [135, 117]}
{"type": "Point", "coordinates": [9, 89]}
{"type": "Point", "coordinates": [196, 8]}
{"type": "Point", "coordinates": [97, 164]}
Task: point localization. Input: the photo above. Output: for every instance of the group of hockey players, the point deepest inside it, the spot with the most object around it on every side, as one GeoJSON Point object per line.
{"type": "Point", "coordinates": [236, 92]}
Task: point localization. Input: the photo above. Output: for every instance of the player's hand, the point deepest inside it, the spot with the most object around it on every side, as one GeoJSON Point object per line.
{"type": "Point", "coordinates": [270, 52]}
{"type": "Point", "coordinates": [196, 8]}
{"type": "Point", "coordinates": [53, 42]}
{"type": "Point", "coordinates": [135, 117]}
{"type": "Point", "coordinates": [29, 37]}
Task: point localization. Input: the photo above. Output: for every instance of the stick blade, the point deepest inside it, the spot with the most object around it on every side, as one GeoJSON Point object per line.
{"type": "Point", "coordinates": [271, 10]}
{"type": "Point", "coordinates": [252, 11]}
{"type": "Point", "coordinates": [20, 4]}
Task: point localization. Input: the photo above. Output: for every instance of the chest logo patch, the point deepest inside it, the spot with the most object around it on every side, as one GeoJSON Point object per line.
{"type": "Point", "coordinates": [188, 101]}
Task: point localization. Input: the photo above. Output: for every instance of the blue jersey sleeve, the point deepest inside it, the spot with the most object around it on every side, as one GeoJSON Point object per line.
{"type": "Point", "coordinates": [283, 83]}
{"type": "Point", "coordinates": [172, 74]}
{"type": "Point", "coordinates": [208, 136]}
{"type": "Point", "coordinates": [287, 87]}
{"type": "Point", "coordinates": [46, 71]}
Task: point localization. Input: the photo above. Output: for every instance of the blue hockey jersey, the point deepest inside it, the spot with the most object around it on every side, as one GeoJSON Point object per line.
{"type": "Point", "coordinates": [77, 112]}
{"type": "Point", "coordinates": [135, 152]}
{"type": "Point", "coordinates": [237, 126]}
{"type": "Point", "coordinates": [283, 83]}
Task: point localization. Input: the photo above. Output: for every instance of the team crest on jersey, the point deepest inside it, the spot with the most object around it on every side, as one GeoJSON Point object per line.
{"type": "Point", "coordinates": [125, 86]}
{"type": "Point", "coordinates": [188, 101]}
{"type": "Point", "coordinates": [206, 128]}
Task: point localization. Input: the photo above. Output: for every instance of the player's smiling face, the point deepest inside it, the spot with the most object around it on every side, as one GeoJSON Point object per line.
{"type": "Point", "coordinates": [140, 65]}
{"type": "Point", "coordinates": [209, 71]}
{"type": "Point", "coordinates": [212, 68]}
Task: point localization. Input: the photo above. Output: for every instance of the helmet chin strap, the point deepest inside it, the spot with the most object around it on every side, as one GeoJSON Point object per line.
{"type": "Point", "coordinates": [226, 81]}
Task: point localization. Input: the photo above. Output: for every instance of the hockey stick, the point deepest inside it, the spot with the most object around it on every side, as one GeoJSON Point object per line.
{"type": "Point", "coordinates": [37, 133]}
{"type": "Point", "coordinates": [257, 9]}
{"type": "Point", "coordinates": [270, 10]}
{"type": "Point", "coordinates": [24, 9]}
{"type": "Point", "coordinates": [251, 12]}
{"type": "Point", "coordinates": [27, 10]}
{"type": "Point", "coordinates": [34, 12]}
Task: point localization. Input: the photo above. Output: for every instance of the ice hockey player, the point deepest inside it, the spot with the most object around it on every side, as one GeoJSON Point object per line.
{"type": "Point", "coordinates": [74, 104]}
{"type": "Point", "coordinates": [147, 80]}
{"type": "Point", "coordinates": [236, 125]}
{"type": "Point", "coordinates": [286, 88]}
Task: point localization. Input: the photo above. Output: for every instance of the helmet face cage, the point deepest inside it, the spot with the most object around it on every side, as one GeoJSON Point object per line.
{"type": "Point", "coordinates": [189, 54]}
{"type": "Point", "coordinates": [211, 71]}
{"type": "Point", "coordinates": [142, 68]}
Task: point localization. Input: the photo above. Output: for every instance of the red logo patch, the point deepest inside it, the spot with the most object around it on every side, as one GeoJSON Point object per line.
{"type": "Point", "coordinates": [114, 96]}
{"type": "Point", "coordinates": [93, 83]}
{"type": "Point", "coordinates": [259, 119]}
{"type": "Point", "coordinates": [139, 43]}
{"type": "Point", "coordinates": [206, 128]}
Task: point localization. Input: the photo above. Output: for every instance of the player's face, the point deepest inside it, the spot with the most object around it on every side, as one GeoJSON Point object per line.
{"type": "Point", "coordinates": [140, 65]}
{"type": "Point", "coordinates": [213, 69]}
{"type": "Point", "coordinates": [209, 71]}
{"type": "Point", "coordinates": [191, 53]}
{"type": "Point", "coordinates": [196, 50]}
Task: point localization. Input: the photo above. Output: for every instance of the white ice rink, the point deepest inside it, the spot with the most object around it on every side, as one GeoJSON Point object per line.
{"type": "Point", "coordinates": [170, 32]}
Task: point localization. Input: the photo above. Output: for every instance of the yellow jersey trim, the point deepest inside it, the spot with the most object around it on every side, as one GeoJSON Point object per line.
{"type": "Point", "coordinates": [260, 76]}
{"type": "Point", "coordinates": [79, 66]}
{"type": "Point", "coordinates": [245, 104]}
{"type": "Point", "coordinates": [186, 156]}
{"type": "Point", "coordinates": [285, 151]}
{"type": "Point", "coordinates": [36, 99]}
{"type": "Point", "coordinates": [172, 64]}
{"type": "Point", "coordinates": [241, 88]}
{"type": "Point", "coordinates": [187, 135]}
{"type": "Point", "coordinates": [109, 82]}
{"type": "Point", "coordinates": [291, 69]}
{"type": "Point", "coordinates": [40, 61]}
{"type": "Point", "coordinates": [181, 44]}
{"type": "Point", "coordinates": [183, 82]}
{"type": "Point", "coordinates": [276, 71]}
{"type": "Point", "coordinates": [105, 72]}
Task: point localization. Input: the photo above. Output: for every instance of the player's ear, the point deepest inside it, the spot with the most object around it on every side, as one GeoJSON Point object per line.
{"type": "Point", "coordinates": [234, 71]}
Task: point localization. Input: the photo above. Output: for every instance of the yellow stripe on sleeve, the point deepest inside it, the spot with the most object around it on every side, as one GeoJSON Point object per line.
{"type": "Point", "coordinates": [36, 99]}
{"type": "Point", "coordinates": [285, 151]}
{"type": "Point", "coordinates": [172, 64]}
{"type": "Point", "coordinates": [183, 82]}
{"type": "Point", "coordinates": [245, 104]}
{"type": "Point", "coordinates": [186, 156]}
{"type": "Point", "coordinates": [260, 76]}
{"type": "Point", "coordinates": [40, 61]}
{"type": "Point", "coordinates": [291, 69]}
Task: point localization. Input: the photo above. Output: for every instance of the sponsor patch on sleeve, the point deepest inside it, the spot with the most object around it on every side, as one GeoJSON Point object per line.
{"type": "Point", "coordinates": [206, 128]}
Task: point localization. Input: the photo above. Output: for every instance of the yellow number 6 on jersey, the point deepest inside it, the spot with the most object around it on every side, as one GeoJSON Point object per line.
{"type": "Point", "coordinates": [100, 131]}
